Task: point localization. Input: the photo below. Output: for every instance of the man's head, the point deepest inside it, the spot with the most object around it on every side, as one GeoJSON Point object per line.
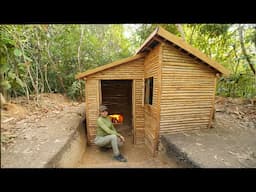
{"type": "Point", "coordinates": [103, 110]}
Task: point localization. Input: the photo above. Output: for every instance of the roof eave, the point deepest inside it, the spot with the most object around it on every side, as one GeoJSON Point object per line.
{"type": "Point", "coordinates": [108, 66]}
{"type": "Point", "coordinates": [150, 37]}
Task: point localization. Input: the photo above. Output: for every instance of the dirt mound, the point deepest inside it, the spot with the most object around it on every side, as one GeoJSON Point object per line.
{"type": "Point", "coordinates": [13, 110]}
{"type": "Point", "coordinates": [238, 108]}
{"type": "Point", "coordinates": [18, 114]}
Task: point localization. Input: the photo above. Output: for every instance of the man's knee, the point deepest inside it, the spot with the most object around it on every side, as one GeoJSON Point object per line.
{"type": "Point", "coordinates": [113, 137]}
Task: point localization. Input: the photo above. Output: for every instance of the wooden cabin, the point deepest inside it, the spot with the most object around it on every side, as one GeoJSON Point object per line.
{"type": "Point", "coordinates": [167, 87]}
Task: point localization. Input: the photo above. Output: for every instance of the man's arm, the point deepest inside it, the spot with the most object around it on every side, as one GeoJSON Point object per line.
{"type": "Point", "coordinates": [106, 129]}
{"type": "Point", "coordinates": [121, 137]}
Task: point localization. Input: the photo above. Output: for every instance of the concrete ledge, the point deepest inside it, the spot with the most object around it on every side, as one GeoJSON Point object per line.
{"type": "Point", "coordinates": [175, 152]}
{"type": "Point", "coordinates": [59, 141]}
{"type": "Point", "coordinates": [211, 148]}
{"type": "Point", "coordinates": [73, 150]}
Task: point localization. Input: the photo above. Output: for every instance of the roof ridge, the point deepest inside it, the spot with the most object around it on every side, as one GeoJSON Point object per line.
{"type": "Point", "coordinates": [185, 46]}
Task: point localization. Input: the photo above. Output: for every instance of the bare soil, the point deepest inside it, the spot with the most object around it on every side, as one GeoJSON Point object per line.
{"type": "Point", "coordinates": [138, 156]}
{"type": "Point", "coordinates": [235, 121]}
{"type": "Point", "coordinates": [20, 119]}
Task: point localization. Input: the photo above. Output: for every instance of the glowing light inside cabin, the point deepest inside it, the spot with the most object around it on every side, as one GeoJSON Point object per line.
{"type": "Point", "coordinates": [117, 118]}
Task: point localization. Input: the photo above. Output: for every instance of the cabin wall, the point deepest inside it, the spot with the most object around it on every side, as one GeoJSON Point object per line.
{"type": "Point", "coordinates": [132, 70]}
{"type": "Point", "coordinates": [188, 90]}
{"type": "Point", "coordinates": [92, 107]}
{"type": "Point", "coordinates": [138, 111]}
{"type": "Point", "coordinates": [152, 69]}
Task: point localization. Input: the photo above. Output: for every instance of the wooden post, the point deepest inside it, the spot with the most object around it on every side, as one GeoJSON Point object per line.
{"type": "Point", "coordinates": [87, 112]}
{"type": "Point", "coordinates": [212, 113]}
{"type": "Point", "coordinates": [99, 93]}
{"type": "Point", "coordinates": [133, 111]}
{"type": "Point", "coordinates": [160, 52]}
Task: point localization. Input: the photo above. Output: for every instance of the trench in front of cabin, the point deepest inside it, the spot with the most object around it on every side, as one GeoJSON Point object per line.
{"type": "Point", "coordinates": [117, 96]}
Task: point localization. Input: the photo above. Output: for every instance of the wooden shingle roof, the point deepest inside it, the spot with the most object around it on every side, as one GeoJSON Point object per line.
{"type": "Point", "coordinates": [161, 35]}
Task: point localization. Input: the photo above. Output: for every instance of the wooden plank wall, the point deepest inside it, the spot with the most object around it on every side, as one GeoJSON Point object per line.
{"type": "Point", "coordinates": [139, 112]}
{"type": "Point", "coordinates": [133, 70]}
{"type": "Point", "coordinates": [188, 89]}
{"type": "Point", "coordinates": [152, 67]}
{"type": "Point", "coordinates": [92, 107]}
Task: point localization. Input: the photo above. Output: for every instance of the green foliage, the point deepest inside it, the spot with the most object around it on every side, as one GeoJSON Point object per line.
{"type": "Point", "coordinates": [221, 43]}
{"type": "Point", "coordinates": [46, 58]}
{"type": "Point", "coordinates": [5, 84]}
{"type": "Point", "coordinates": [3, 67]}
{"type": "Point", "coordinates": [144, 30]}
{"type": "Point", "coordinates": [213, 30]}
{"type": "Point", "coordinates": [17, 52]}
{"type": "Point", "coordinates": [240, 85]}
{"type": "Point", "coordinates": [75, 90]}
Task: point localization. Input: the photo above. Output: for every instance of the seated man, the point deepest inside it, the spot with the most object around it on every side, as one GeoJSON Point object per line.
{"type": "Point", "coordinates": [107, 136]}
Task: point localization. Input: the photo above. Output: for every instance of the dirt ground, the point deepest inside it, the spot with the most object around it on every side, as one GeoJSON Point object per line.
{"type": "Point", "coordinates": [235, 119]}
{"type": "Point", "coordinates": [20, 118]}
{"type": "Point", "coordinates": [138, 156]}
{"type": "Point", "coordinates": [231, 143]}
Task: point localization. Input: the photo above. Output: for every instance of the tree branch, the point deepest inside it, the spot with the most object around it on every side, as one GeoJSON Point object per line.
{"type": "Point", "coordinates": [240, 30]}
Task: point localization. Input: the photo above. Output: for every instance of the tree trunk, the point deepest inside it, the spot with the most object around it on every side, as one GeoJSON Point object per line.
{"type": "Point", "coordinates": [192, 33]}
{"type": "Point", "coordinates": [180, 29]}
{"type": "Point", "coordinates": [238, 61]}
{"type": "Point", "coordinates": [55, 68]}
{"type": "Point", "coordinates": [3, 101]}
{"type": "Point", "coordinates": [46, 77]}
{"type": "Point", "coordinates": [78, 53]}
{"type": "Point", "coordinates": [241, 38]}
{"type": "Point", "coordinates": [254, 38]}
{"type": "Point", "coordinates": [79, 48]}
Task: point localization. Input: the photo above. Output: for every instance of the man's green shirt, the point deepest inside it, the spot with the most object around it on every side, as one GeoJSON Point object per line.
{"type": "Point", "coordinates": [105, 127]}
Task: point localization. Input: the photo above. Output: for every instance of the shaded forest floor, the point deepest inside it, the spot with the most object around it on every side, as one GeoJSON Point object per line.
{"type": "Point", "coordinates": [236, 117]}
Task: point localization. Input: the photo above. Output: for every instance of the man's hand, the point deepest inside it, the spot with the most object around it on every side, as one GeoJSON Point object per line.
{"type": "Point", "coordinates": [122, 138]}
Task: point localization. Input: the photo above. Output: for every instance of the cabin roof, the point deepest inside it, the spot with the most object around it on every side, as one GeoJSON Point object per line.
{"type": "Point", "coordinates": [161, 35]}
{"type": "Point", "coordinates": [157, 36]}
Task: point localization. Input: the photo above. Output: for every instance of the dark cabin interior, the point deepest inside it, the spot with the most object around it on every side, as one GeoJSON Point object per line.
{"type": "Point", "coordinates": [117, 96]}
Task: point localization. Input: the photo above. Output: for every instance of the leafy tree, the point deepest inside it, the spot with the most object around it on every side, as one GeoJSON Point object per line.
{"type": "Point", "coordinates": [231, 45]}
{"type": "Point", "coordinates": [45, 58]}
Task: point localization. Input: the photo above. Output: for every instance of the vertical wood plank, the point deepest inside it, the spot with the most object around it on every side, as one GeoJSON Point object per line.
{"type": "Point", "coordinates": [160, 52]}
{"type": "Point", "coordinates": [87, 111]}
{"type": "Point", "coordinates": [213, 103]}
{"type": "Point", "coordinates": [100, 93]}
{"type": "Point", "coordinates": [134, 111]}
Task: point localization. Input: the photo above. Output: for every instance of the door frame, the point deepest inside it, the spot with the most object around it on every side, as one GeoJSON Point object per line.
{"type": "Point", "coordinates": [132, 103]}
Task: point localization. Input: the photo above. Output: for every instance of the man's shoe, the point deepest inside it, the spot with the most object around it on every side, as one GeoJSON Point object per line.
{"type": "Point", "coordinates": [120, 158]}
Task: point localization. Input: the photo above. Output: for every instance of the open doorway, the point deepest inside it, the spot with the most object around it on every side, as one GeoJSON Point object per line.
{"type": "Point", "coordinates": [117, 96]}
